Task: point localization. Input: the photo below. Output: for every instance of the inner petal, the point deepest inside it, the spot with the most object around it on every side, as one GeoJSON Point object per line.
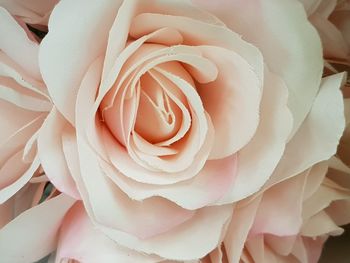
{"type": "Point", "coordinates": [158, 116]}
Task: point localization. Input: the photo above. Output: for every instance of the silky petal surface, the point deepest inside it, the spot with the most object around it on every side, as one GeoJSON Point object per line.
{"type": "Point", "coordinates": [260, 156]}
{"type": "Point", "coordinates": [16, 44]}
{"type": "Point", "coordinates": [280, 29]}
{"type": "Point", "coordinates": [319, 135]}
{"type": "Point", "coordinates": [92, 22]}
{"type": "Point", "coordinates": [80, 240]}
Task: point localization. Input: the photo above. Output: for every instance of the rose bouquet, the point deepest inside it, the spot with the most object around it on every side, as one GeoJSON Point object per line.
{"type": "Point", "coordinates": [173, 130]}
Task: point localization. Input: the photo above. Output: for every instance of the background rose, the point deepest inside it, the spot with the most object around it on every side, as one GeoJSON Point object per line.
{"type": "Point", "coordinates": [332, 20]}
{"type": "Point", "coordinates": [322, 211]}
{"type": "Point", "coordinates": [24, 105]}
{"type": "Point", "coordinates": [120, 55]}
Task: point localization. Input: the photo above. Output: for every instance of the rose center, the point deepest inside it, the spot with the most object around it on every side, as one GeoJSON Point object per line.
{"type": "Point", "coordinates": [158, 117]}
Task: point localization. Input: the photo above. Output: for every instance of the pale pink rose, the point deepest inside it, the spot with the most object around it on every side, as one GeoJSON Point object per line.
{"type": "Point", "coordinates": [33, 12]}
{"type": "Point", "coordinates": [24, 104]}
{"type": "Point", "coordinates": [332, 20]}
{"type": "Point", "coordinates": [310, 208]}
{"type": "Point", "coordinates": [164, 116]}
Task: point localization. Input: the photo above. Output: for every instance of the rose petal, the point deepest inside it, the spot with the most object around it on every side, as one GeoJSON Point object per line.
{"type": "Point", "coordinates": [324, 196]}
{"type": "Point", "coordinates": [92, 25]}
{"type": "Point", "coordinates": [191, 30]}
{"type": "Point", "coordinates": [319, 135]}
{"type": "Point", "coordinates": [315, 177]}
{"type": "Point", "coordinates": [80, 240]}
{"type": "Point", "coordinates": [198, 236]}
{"type": "Point", "coordinates": [24, 101]}
{"type": "Point", "coordinates": [320, 224]}
{"type": "Point", "coordinates": [232, 101]}
{"type": "Point", "coordinates": [339, 212]}
{"type": "Point", "coordinates": [12, 169]}
{"type": "Point", "coordinates": [237, 232]}
{"type": "Point", "coordinates": [212, 182]}
{"type": "Point", "coordinates": [21, 180]}
{"type": "Point", "coordinates": [281, 245]}
{"type": "Point", "coordinates": [19, 132]}
{"type": "Point", "coordinates": [310, 5]}
{"type": "Point", "coordinates": [34, 231]}
{"type": "Point", "coordinates": [24, 82]}
{"type": "Point", "coordinates": [260, 156]}
{"type": "Point", "coordinates": [15, 43]}
{"type": "Point", "coordinates": [287, 219]}
{"type": "Point", "coordinates": [51, 153]}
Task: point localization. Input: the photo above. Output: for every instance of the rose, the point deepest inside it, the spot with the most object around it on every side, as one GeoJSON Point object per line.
{"type": "Point", "coordinates": [322, 211]}
{"type": "Point", "coordinates": [331, 19]}
{"type": "Point", "coordinates": [63, 134]}
{"type": "Point", "coordinates": [24, 105]}
{"type": "Point", "coordinates": [322, 205]}
{"type": "Point", "coordinates": [122, 60]}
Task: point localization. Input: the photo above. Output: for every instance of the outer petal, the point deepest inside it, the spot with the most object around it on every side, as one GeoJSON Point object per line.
{"type": "Point", "coordinates": [212, 182]}
{"type": "Point", "coordinates": [290, 45]}
{"type": "Point", "coordinates": [288, 198]}
{"type": "Point", "coordinates": [51, 153]}
{"type": "Point", "coordinates": [20, 181]}
{"type": "Point", "coordinates": [16, 44]}
{"type": "Point", "coordinates": [258, 159]}
{"type": "Point", "coordinates": [67, 51]}
{"type": "Point", "coordinates": [80, 240]}
{"type": "Point", "coordinates": [232, 101]}
{"type": "Point", "coordinates": [32, 235]}
{"type": "Point", "coordinates": [198, 236]}
{"type": "Point", "coordinates": [310, 5]}
{"type": "Point", "coordinates": [237, 232]}
{"type": "Point", "coordinates": [23, 121]}
{"type": "Point", "coordinates": [318, 137]}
